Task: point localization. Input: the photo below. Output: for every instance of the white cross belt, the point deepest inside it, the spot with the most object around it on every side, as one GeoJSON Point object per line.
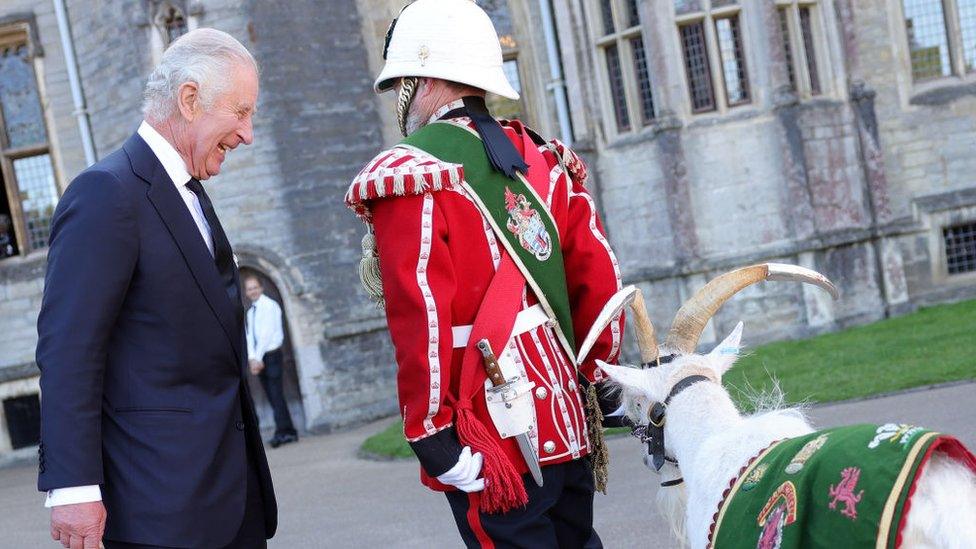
{"type": "Point", "coordinates": [527, 319]}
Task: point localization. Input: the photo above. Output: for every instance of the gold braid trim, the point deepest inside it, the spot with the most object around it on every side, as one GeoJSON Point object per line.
{"type": "Point", "coordinates": [369, 269]}
{"type": "Point", "coordinates": [408, 89]}
{"type": "Point", "coordinates": [599, 453]}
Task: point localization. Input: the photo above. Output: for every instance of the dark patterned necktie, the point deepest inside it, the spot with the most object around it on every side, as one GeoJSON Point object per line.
{"type": "Point", "coordinates": [223, 254]}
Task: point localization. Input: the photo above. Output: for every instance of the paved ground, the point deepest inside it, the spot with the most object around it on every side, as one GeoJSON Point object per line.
{"type": "Point", "coordinates": [329, 498]}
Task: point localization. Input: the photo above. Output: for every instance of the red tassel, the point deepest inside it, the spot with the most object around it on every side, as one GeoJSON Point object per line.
{"type": "Point", "coordinates": [504, 490]}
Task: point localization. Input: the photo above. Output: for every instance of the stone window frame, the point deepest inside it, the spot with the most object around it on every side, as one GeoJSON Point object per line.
{"type": "Point", "coordinates": [798, 45]}
{"type": "Point", "coordinates": [954, 37]}
{"type": "Point", "coordinates": [21, 30]}
{"type": "Point", "coordinates": [158, 12]}
{"type": "Point", "coordinates": [633, 100]}
{"type": "Point", "coordinates": [708, 14]}
{"type": "Point", "coordinates": [938, 212]}
{"type": "Point", "coordinates": [971, 237]}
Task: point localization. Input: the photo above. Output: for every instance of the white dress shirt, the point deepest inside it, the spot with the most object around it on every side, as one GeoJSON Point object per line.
{"type": "Point", "coordinates": [263, 327]}
{"type": "Point", "coordinates": [176, 169]}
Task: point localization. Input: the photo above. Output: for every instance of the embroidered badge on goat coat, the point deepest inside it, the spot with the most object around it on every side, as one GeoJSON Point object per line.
{"type": "Point", "coordinates": [843, 492]}
{"type": "Point", "coordinates": [901, 433]}
{"type": "Point", "coordinates": [815, 490]}
{"type": "Point", "coordinates": [804, 454]}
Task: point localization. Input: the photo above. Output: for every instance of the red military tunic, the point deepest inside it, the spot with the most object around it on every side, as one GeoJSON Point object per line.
{"type": "Point", "coordinates": [438, 254]}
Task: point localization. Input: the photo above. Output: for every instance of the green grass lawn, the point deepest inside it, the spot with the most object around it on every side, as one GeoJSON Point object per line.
{"type": "Point", "coordinates": [933, 345]}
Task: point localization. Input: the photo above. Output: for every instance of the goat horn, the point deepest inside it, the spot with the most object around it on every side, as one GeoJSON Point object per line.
{"type": "Point", "coordinates": [691, 319]}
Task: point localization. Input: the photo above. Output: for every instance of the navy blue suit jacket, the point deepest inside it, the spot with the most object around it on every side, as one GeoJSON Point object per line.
{"type": "Point", "coordinates": [142, 362]}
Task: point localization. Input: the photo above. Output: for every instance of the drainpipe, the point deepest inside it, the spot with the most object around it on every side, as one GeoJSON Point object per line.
{"type": "Point", "coordinates": [81, 111]}
{"type": "Point", "coordinates": [556, 83]}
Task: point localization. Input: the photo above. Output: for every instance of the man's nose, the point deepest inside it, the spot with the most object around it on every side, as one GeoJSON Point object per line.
{"type": "Point", "coordinates": [246, 131]}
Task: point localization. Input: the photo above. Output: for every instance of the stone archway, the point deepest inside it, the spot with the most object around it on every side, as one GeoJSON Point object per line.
{"type": "Point", "coordinates": [293, 393]}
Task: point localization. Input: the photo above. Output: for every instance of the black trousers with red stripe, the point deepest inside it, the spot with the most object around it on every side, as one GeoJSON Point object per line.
{"type": "Point", "coordinates": [558, 515]}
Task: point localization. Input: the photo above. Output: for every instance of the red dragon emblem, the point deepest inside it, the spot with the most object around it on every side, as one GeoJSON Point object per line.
{"type": "Point", "coordinates": [844, 492]}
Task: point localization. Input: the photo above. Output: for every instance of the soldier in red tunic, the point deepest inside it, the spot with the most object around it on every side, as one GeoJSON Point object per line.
{"type": "Point", "coordinates": [486, 250]}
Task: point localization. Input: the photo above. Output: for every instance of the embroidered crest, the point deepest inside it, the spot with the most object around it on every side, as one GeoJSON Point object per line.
{"type": "Point", "coordinates": [805, 453]}
{"type": "Point", "coordinates": [526, 223]}
{"type": "Point", "coordinates": [844, 492]}
{"type": "Point", "coordinates": [771, 536]}
{"type": "Point", "coordinates": [895, 432]}
{"type": "Point", "coordinates": [755, 476]}
{"type": "Point", "coordinates": [778, 512]}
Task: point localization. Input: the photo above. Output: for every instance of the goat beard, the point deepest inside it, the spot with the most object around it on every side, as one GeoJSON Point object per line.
{"type": "Point", "coordinates": [672, 503]}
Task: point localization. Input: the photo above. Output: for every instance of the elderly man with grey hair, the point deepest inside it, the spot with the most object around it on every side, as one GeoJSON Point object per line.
{"type": "Point", "coordinates": [148, 434]}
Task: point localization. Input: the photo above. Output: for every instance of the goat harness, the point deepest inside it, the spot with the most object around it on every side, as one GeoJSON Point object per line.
{"type": "Point", "coordinates": [652, 433]}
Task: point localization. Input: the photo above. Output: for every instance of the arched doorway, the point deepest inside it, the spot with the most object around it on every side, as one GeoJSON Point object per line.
{"type": "Point", "coordinates": [293, 394]}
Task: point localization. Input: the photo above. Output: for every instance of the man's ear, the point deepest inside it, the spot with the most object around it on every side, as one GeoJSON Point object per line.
{"type": "Point", "coordinates": [189, 100]}
{"type": "Point", "coordinates": [725, 354]}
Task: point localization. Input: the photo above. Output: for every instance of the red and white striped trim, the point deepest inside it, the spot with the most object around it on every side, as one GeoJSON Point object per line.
{"type": "Point", "coordinates": [400, 171]}
{"type": "Point", "coordinates": [428, 433]}
{"type": "Point", "coordinates": [433, 327]}
{"type": "Point", "coordinates": [615, 323]}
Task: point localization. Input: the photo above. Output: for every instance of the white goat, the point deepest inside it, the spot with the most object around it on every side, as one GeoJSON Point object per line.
{"type": "Point", "coordinates": [706, 434]}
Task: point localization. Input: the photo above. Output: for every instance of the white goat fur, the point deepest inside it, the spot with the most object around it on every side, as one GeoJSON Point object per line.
{"type": "Point", "coordinates": [712, 441]}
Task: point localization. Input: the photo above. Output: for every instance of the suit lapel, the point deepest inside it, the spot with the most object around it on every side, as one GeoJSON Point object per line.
{"type": "Point", "coordinates": [174, 213]}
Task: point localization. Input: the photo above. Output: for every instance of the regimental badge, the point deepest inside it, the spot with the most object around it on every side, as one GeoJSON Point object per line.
{"type": "Point", "coordinates": [843, 492]}
{"type": "Point", "coordinates": [901, 433]}
{"type": "Point", "coordinates": [526, 224]}
{"type": "Point", "coordinates": [805, 453]}
{"type": "Point", "coordinates": [755, 476]}
{"type": "Point", "coordinates": [779, 512]}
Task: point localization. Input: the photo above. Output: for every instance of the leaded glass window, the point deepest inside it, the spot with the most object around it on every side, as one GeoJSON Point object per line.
{"type": "Point", "coordinates": [928, 39]}
{"type": "Point", "coordinates": [941, 37]}
{"type": "Point", "coordinates": [785, 35]}
{"type": "Point", "coordinates": [806, 29]}
{"type": "Point", "coordinates": [960, 248]}
{"type": "Point", "coordinates": [22, 115]}
{"type": "Point", "coordinates": [967, 27]}
{"type": "Point", "coordinates": [617, 93]}
{"type": "Point", "coordinates": [620, 45]}
{"type": "Point", "coordinates": [643, 79]}
{"type": "Point", "coordinates": [697, 67]}
{"type": "Point", "coordinates": [30, 192]}
{"type": "Point", "coordinates": [801, 31]}
{"type": "Point", "coordinates": [733, 61]}
{"type": "Point", "coordinates": [712, 44]}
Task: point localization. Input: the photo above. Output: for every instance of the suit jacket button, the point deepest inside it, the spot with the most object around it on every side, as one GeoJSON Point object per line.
{"type": "Point", "coordinates": [549, 447]}
{"type": "Point", "coordinates": [240, 425]}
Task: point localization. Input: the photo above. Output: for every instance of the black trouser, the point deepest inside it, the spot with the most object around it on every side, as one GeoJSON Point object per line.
{"type": "Point", "coordinates": [559, 514]}
{"type": "Point", "coordinates": [272, 380]}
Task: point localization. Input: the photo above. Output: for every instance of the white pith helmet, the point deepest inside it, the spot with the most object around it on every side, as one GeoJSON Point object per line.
{"type": "Point", "coordinates": [448, 39]}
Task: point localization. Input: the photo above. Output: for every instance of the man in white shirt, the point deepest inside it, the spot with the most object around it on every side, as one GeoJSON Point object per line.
{"type": "Point", "coordinates": [264, 338]}
{"type": "Point", "coordinates": [148, 434]}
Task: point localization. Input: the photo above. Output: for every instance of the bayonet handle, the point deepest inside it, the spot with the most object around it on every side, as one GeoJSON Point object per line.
{"type": "Point", "coordinates": [491, 364]}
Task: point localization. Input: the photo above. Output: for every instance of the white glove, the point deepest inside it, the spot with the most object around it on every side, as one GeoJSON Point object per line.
{"type": "Point", "coordinates": [464, 475]}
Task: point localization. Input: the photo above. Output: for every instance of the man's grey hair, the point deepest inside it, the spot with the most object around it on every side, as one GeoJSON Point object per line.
{"type": "Point", "coordinates": [204, 56]}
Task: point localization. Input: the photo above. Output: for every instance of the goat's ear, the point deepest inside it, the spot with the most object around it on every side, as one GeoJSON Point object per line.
{"type": "Point", "coordinates": [625, 376]}
{"type": "Point", "coordinates": [725, 355]}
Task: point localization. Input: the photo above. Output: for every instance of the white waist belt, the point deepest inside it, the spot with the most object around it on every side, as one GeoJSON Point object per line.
{"type": "Point", "coordinates": [527, 319]}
